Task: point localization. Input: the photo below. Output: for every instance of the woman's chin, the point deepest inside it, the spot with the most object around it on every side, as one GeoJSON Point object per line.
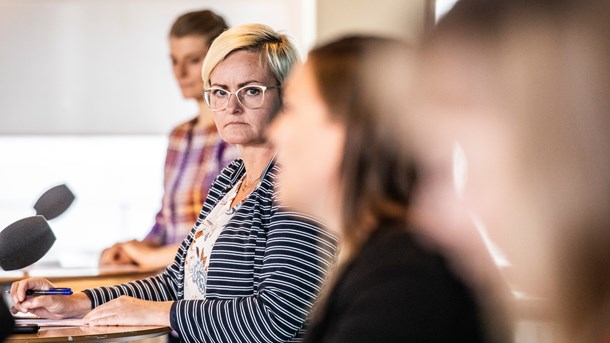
{"type": "Point", "coordinates": [240, 139]}
{"type": "Point", "coordinates": [231, 138]}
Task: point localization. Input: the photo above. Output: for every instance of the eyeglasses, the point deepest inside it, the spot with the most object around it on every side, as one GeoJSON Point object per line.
{"type": "Point", "coordinates": [251, 96]}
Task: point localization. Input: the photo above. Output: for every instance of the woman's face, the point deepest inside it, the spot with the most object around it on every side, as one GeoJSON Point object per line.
{"type": "Point", "coordinates": [310, 148]}
{"type": "Point", "coordinates": [490, 195]}
{"type": "Point", "coordinates": [187, 54]}
{"type": "Point", "coordinates": [238, 124]}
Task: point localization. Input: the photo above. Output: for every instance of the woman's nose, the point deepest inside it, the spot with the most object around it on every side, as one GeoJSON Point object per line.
{"type": "Point", "coordinates": [180, 69]}
{"type": "Point", "coordinates": [233, 104]}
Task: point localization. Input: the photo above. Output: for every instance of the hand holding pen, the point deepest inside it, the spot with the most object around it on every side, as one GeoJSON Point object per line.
{"type": "Point", "coordinates": [41, 298]}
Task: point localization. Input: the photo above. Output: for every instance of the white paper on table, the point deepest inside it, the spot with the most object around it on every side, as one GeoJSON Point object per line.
{"type": "Point", "coordinates": [62, 272]}
{"type": "Point", "coordinates": [12, 274]}
{"type": "Point", "coordinates": [28, 315]}
{"type": "Point", "coordinates": [50, 322]}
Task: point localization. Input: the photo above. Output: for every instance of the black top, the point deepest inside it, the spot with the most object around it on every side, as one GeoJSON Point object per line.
{"type": "Point", "coordinates": [6, 320]}
{"type": "Point", "coordinates": [397, 291]}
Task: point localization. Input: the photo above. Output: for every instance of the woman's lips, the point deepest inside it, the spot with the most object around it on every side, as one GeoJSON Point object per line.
{"type": "Point", "coordinates": [235, 123]}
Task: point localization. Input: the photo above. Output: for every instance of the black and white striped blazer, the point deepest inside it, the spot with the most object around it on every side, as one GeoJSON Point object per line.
{"type": "Point", "coordinates": [265, 271]}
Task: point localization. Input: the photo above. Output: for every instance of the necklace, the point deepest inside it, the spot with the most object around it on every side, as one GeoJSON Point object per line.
{"type": "Point", "coordinates": [245, 189]}
{"type": "Point", "coordinates": [246, 186]}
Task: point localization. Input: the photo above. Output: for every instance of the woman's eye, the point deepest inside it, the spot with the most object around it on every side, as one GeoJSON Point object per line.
{"type": "Point", "coordinates": [252, 91]}
{"type": "Point", "coordinates": [219, 93]}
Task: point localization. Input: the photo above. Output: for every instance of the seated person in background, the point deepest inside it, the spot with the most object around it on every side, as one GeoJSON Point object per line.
{"type": "Point", "coordinates": [250, 269]}
{"type": "Point", "coordinates": [344, 160]}
{"type": "Point", "coordinates": [195, 155]}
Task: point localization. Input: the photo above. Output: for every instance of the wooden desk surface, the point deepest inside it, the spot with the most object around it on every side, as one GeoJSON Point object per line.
{"type": "Point", "coordinates": [105, 276]}
{"type": "Point", "coordinates": [90, 333]}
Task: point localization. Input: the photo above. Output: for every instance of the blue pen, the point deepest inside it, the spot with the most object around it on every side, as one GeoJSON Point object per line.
{"type": "Point", "coordinates": [51, 291]}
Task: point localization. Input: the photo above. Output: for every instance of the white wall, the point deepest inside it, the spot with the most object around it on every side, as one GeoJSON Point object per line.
{"type": "Point", "coordinates": [87, 98]}
{"type": "Point", "coordinates": [117, 181]}
{"type": "Point", "coordinates": [102, 66]}
{"type": "Point", "coordinates": [397, 18]}
{"type": "Point", "coordinates": [442, 7]}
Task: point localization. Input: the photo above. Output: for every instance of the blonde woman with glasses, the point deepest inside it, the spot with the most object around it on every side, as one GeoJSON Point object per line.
{"type": "Point", "coordinates": [250, 270]}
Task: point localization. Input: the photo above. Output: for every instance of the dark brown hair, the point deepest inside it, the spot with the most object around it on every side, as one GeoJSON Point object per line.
{"type": "Point", "coordinates": [199, 23]}
{"type": "Point", "coordinates": [375, 174]}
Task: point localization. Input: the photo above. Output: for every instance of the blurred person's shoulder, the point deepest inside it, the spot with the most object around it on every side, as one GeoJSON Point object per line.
{"type": "Point", "coordinates": [396, 246]}
{"type": "Point", "coordinates": [410, 282]}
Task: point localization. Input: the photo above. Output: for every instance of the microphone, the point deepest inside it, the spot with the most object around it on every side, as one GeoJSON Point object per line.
{"type": "Point", "coordinates": [6, 320]}
{"type": "Point", "coordinates": [24, 242]}
{"type": "Point", "coordinates": [54, 202]}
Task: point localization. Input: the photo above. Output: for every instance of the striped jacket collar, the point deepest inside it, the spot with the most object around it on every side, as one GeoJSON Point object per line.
{"type": "Point", "coordinates": [240, 170]}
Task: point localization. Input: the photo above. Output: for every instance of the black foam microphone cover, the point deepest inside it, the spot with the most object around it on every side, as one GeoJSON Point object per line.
{"type": "Point", "coordinates": [6, 320]}
{"type": "Point", "coordinates": [54, 202]}
{"type": "Point", "coordinates": [24, 242]}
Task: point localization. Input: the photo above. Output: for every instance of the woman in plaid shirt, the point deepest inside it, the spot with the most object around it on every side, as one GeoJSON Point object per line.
{"type": "Point", "coordinates": [195, 154]}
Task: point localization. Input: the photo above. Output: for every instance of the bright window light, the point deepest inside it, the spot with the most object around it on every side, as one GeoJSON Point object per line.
{"type": "Point", "coordinates": [117, 181]}
{"type": "Point", "coordinates": [442, 7]}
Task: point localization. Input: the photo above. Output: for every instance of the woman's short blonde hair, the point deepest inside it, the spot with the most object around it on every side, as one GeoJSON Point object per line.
{"type": "Point", "coordinates": [275, 48]}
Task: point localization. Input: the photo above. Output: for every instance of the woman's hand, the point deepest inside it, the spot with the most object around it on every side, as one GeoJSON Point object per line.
{"type": "Point", "coordinates": [47, 306]}
{"type": "Point", "coordinates": [149, 256]}
{"type": "Point", "coordinates": [130, 311]}
{"type": "Point", "coordinates": [115, 256]}
{"type": "Point", "coordinates": [144, 254]}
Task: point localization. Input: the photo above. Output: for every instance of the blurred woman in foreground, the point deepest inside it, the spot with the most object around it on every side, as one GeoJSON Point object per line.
{"type": "Point", "coordinates": [523, 86]}
{"type": "Point", "coordinates": [344, 162]}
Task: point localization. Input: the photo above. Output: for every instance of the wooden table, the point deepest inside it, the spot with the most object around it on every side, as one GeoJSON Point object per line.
{"type": "Point", "coordinates": [90, 334]}
{"type": "Point", "coordinates": [90, 278]}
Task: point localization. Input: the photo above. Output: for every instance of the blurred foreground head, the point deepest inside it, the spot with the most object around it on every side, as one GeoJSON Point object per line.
{"type": "Point", "coordinates": [346, 159]}
{"type": "Point", "coordinates": [343, 159]}
{"type": "Point", "coordinates": [522, 87]}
